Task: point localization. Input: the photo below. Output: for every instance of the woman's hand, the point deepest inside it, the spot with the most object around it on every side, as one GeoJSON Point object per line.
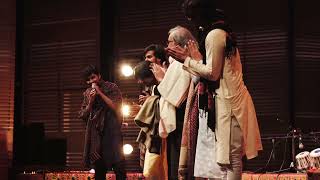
{"type": "Point", "coordinates": [194, 51]}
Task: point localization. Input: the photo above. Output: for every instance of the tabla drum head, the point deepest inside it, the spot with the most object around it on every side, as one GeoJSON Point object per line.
{"type": "Point", "coordinates": [302, 154]}
{"type": "Point", "coordinates": [315, 152]}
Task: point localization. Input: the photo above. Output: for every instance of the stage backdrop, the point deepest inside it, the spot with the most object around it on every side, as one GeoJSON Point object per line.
{"type": "Point", "coordinates": [7, 83]}
{"type": "Point", "coordinates": [279, 48]}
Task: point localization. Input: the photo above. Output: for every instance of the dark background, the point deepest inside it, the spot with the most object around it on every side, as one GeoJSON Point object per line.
{"type": "Point", "coordinates": [44, 45]}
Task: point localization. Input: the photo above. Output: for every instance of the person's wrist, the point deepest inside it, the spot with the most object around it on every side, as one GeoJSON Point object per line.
{"type": "Point", "coordinates": [98, 91]}
{"type": "Point", "coordinates": [186, 61]}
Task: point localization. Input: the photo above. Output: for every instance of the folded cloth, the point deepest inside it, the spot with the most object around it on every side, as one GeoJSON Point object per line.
{"type": "Point", "coordinates": [148, 120]}
{"type": "Point", "coordinates": [167, 122]}
{"type": "Point", "coordinates": [156, 165]}
{"type": "Point", "coordinates": [174, 90]}
{"type": "Point", "coordinates": [175, 84]}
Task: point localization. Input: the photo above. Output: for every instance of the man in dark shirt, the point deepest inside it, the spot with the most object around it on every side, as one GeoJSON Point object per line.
{"type": "Point", "coordinates": [103, 140]}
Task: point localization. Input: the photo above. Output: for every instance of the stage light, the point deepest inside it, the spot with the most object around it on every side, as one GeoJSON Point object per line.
{"type": "Point", "coordinates": [127, 149]}
{"type": "Point", "coordinates": [125, 110]}
{"type": "Point", "coordinates": [92, 171]}
{"type": "Point", "coordinates": [126, 70]}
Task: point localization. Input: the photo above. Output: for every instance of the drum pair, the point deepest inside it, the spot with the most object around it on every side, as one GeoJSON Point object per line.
{"type": "Point", "coordinates": [306, 160]}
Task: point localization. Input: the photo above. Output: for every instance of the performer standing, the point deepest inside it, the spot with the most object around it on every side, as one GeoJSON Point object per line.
{"type": "Point", "coordinates": [103, 139]}
{"type": "Point", "coordinates": [176, 83]}
{"type": "Point", "coordinates": [224, 100]}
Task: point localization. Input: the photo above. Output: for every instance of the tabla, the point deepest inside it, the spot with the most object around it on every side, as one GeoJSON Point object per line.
{"type": "Point", "coordinates": [303, 160]}
{"type": "Point", "coordinates": [315, 158]}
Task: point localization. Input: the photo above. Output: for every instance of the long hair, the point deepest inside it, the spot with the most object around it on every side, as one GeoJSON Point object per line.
{"type": "Point", "coordinates": [205, 9]}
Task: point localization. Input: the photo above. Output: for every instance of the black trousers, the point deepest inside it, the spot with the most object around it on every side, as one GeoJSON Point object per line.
{"type": "Point", "coordinates": [101, 170]}
{"type": "Point", "coordinates": [174, 144]}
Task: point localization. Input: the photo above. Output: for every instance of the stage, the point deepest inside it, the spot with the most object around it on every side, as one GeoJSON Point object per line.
{"type": "Point", "coordinates": [274, 176]}
{"type": "Point", "coordinates": [85, 175]}
{"type": "Point", "coordinates": [73, 175]}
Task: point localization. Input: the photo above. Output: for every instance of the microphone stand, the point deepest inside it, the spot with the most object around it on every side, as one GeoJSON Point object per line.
{"type": "Point", "coordinates": [294, 134]}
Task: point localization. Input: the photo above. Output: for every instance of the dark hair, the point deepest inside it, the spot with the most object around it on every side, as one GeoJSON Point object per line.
{"type": "Point", "coordinates": [159, 52]}
{"type": "Point", "coordinates": [206, 9]}
{"type": "Point", "coordinates": [90, 69]}
{"type": "Point", "coordinates": [142, 70]}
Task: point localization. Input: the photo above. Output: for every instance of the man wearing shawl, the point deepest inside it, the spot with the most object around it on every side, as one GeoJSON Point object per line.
{"type": "Point", "coordinates": [103, 138]}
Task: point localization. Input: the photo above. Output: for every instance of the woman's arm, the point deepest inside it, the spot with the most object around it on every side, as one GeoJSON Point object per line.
{"type": "Point", "coordinates": [215, 47]}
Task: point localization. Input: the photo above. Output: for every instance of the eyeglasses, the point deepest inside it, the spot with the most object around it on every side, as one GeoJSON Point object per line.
{"type": "Point", "coordinates": [169, 41]}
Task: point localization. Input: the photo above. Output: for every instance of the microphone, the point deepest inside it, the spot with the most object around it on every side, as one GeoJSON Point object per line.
{"type": "Point", "coordinates": [93, 85]}
{"type": "Point", "coordinates": [301, 146]}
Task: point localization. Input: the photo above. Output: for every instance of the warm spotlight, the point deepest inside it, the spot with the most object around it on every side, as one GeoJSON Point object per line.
{"type": "Point", "coordinates": [127, 70]}
{"type": "Point", "coordinates": [127, 149]}
{"type": "Point", "coordinates": [92, 171]}
{"type": "Point", "coordinates": [125, 110]}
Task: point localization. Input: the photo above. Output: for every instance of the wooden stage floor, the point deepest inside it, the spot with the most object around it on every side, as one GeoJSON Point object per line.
{"type": "Point", "coordinates": [85, 175]}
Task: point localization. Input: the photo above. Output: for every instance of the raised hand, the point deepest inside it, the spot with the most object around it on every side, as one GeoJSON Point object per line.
{"type": "Point", "coordinates": [178, 53]}
{"type": "Point", "coordinates": [194, 51]}
{"type": "Point", "coordinates": [92, 95]}
{"type": "Point", "coordinates": [96, 88]}
{"type": "Point", "coordinates": [158, 71]}
{"type": "Point", "coordinates": [143, 96]}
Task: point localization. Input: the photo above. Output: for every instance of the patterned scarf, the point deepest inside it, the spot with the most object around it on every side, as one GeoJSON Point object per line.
{"type": "Point", "coordinates": [189, 135]}
{"type": "Point", "coordinates": [200, 97]}
{"type": "Point", "coordinates": [95, 126]}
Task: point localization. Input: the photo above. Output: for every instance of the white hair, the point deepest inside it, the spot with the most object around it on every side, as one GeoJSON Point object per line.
{"type": "Point", "coordinates": [181, 35]}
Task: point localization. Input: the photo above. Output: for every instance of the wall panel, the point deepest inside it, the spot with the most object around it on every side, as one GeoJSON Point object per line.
{"type": "Point", "coordinates": [7, 83]}
{"type": "Point", "coordinates": [62, 37]}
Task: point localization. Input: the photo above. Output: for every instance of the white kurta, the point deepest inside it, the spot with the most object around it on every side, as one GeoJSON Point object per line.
{"type": "Point", "coordinates": [233, 98]}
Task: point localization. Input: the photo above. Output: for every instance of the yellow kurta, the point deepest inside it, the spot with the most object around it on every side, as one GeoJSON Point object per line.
{"type": "Point", "coordinates": [233, 98]}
